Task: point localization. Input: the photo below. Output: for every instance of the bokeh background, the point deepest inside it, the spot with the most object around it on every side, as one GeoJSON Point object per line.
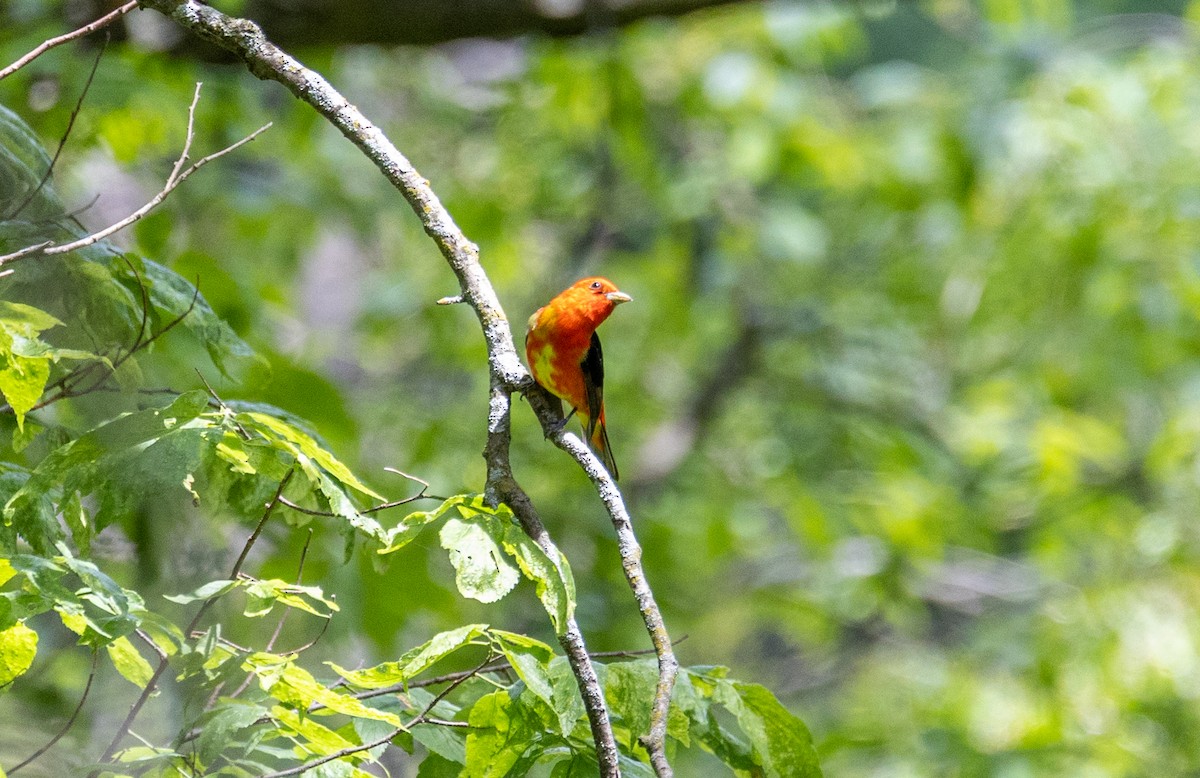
{"type": "Point", "coordinates": [907, 404]}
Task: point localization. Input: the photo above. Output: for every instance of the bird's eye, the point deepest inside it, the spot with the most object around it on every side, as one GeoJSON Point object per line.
{"type": "Point", "coordinates": [595, 284]}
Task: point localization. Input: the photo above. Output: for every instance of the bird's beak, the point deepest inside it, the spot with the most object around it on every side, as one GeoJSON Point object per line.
{"type": "Point", "coordinates": [619, 297]}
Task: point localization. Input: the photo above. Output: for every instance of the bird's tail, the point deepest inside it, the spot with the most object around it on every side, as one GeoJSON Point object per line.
{"type": "Point", "coordinates": [598, 436]}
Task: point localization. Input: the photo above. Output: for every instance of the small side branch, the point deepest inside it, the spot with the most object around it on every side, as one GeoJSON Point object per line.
{"type": "Point", "coordinates": [86, 29]}
{"type": "Point", "coordinates": [62, 142]}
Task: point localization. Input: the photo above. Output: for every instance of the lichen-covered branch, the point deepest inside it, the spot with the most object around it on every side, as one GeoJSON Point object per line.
{"type": "Point", "coordinates": [508, 375]}
{"type": "Point", "coordinates": [269, 62]}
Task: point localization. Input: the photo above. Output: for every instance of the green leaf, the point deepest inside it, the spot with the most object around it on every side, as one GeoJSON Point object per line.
{"type": "Point", "coordinates": [23, 163]}
{"type": "Point", "coordinates": [414, 661]}
{"type": "Point", "coordinates": [22, 380]}
{"type": "Point", "coordinates": [172, 295]}
{"type": "Point", "coordinates": [436, 766]}
{"type": "Point", "coordinates": [76, 464]}
{"type": "Point", "coordinates": [129, 663]}
{"type": "Point", "coordinates": [499, 735]}
{"type": "Point", "coordinates": [304, 448]}
{"type": "Point", "coordinates": [531, 660]}
{"type": "Point", "coordinates": [145, 757]}
{"type": "Point", "coordinates": [566, 700]}
{"type": "Point", "coordinates": [18, 647]}
{"type": "Point", "coordinates": [24, 435]}
{"type": "Point", "coordinates": [206, 592]}
{"type": "Point", "coordinates": [482, 571]}
{"type": "Point", "coordinates": [223, 726]}
{"type": "Point", "coordinates": [77, 520]}
{"type": "Point", "coordinates": [263, 594]}
{"type": "Point", "coordinates": [411, 525]}
{"type": "Point", "coordinates": [320, 740]}
{"type": "Point", "coordinates": [780, 741]}
{"type": "Point", "coordinates": [25, 321]}
{"type": "Point", "coordinates": [443, 741]}
{"type": "Point", "coordinates": [629, 690]}
{"type": "Point", "coordinates": [554, 582]}
{"type": "Point", "coordinates": [296, 686]}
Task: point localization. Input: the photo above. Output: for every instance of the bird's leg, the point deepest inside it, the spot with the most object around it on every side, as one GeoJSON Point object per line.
{"type": "Point", "coordinates": [557, 427]}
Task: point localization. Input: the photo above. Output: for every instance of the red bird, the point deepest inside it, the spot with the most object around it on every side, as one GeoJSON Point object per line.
{"type": "Point", "coordinates": [565, 356]}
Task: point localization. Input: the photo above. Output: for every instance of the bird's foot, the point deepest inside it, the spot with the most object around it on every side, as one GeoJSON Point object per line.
{"type": "Point", "coordinates": [558, 426]}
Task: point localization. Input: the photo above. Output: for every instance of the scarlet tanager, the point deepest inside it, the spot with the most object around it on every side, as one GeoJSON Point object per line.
{"type": "Point", "coordinates": [565, 356]}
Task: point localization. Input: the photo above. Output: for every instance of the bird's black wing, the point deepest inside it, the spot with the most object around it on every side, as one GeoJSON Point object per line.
{"type": "Point", "coordinates": [593, 381]}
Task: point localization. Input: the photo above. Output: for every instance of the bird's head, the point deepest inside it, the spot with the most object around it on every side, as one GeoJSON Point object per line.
{"type": "Point", "coordinates": [603, 288]}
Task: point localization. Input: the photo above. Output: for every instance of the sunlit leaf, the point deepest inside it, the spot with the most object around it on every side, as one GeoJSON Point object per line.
{"type": "Point", "coordinates": [414, 661]}
{"type": "Point", "coordinates": [482, 570]}
{"type": "Point", "coordinates": [18, 647]}
{"type": "Point", "coordinates": [132, 666]}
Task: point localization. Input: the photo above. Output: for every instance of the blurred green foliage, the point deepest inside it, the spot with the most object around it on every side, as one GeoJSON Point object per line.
{"type": "Point", "coordinates": [907, 402]}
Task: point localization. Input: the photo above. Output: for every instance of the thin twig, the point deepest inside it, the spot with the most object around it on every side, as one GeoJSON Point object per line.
{"type": "Point", "coordinates": [86, 29]}
{"type": "Point", "coordinates": [70, 721]}
{"type": "Point", "coordinates": [420, 717]}
{"type": "Point", "coordinates": [237, 567]}
{"type": "Point", "coordinates": [335, 755]}
{"type": "Point", "coordinates": [446, 723]}
{"type": "Point", "coordinates": [299, 581]}
{"type": "Point", "coordinates": [220, 404]}
{"type": "Point", "coordinates": [191, 136]}
{"type": "Point", "coordinates": [325, 622]}
{"type": "Point", "coordinates": [62, 142]}
{"type": "Point", "coordinates": [374, 508]}
{"type": "Point", "coordinates": [149, 641]}
{"type": "Point", "coordinates": [145, 303]}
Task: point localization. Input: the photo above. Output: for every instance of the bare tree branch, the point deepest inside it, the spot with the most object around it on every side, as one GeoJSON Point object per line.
{"type": "Point", "coordinates": [630, 550]}
{"type": "Point", "coordinates": [503, 488]}
{"type": "Point", "coordinates": [86, 29]}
